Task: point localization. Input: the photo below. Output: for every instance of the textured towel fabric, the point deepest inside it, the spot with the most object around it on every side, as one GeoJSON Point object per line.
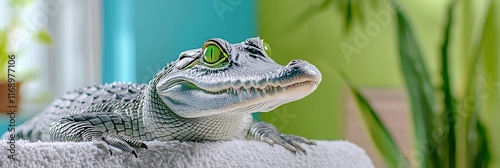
{"type": "Point", "coordinates": [237, 153]}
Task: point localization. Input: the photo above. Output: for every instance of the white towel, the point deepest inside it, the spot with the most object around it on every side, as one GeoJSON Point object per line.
{"type": "Point", "coordinates": [237, 153]}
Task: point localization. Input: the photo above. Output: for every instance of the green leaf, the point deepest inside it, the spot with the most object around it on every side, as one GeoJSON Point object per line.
{"type": "Point", "coordinates": [43, 37]}
{"type": "Point", "coordinates": [468, 102]}
{"type": "Point", "coordinates": [420, 91]}
{"type": "Point", "coordinates": [449, 103]}
{"type": "Point", "coordinates": [484, 47]}
{"type": "Point", "coordinates": [377, 130]}
{"type": "Point", "coordinates": [482, 156]}
{"type": "Point", "coordinates": [348, 16]}
{"type": "Point", "coordinates": [491, 56]}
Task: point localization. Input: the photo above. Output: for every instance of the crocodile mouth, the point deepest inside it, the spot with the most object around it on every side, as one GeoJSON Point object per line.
{"type": "Point", "coordinates": [252, 90]}
{"type": "Point", "coordinates": [250, 98]}
{"type": "Point", "coordinates": [248, 91]}
{"type": "Point", "coordinates": [266, 90]}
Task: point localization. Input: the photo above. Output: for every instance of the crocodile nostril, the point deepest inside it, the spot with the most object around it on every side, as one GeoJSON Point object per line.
{"type": "Point", "coordinates": [293, 62]}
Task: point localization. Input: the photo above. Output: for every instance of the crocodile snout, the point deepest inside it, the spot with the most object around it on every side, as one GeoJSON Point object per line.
{"type": "Point", "coordinates": [305, 70]}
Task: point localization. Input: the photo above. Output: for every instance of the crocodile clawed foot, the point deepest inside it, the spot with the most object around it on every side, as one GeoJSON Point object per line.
{"type": "Point", "coordinates": [268, 133]}
{"type": "Point", "coordinates": [121, 142]}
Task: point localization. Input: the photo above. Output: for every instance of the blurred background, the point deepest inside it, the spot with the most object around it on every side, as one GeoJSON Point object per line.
{"type": "Point", "coordinates": [426, 71]}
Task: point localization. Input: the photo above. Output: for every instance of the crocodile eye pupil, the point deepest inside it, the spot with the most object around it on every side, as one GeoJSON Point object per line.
{"type": "Point", "coordinates": [212, 54]}
{"type": "Point", "coordinates": [267, 48]}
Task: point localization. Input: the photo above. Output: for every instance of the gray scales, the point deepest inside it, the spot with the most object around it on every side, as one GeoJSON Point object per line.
{"type": "Point", "coordinates": [207, 94]}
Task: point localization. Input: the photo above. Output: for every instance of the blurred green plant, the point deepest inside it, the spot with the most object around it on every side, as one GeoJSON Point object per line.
{"type": "Point", "coordinates": [12, 28]}
{"type": "Point", "coordinates": [351, 9]}
{"type": "Point", "coordinates": [440, 141]}
{"type": "Point", "coordinates": [377, 129]}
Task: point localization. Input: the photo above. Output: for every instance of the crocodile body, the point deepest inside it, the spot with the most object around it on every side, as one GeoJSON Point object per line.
{"type": "Point", "coordinates": [208, 94]}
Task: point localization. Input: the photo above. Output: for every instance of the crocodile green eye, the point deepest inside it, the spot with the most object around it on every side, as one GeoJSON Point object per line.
{"type": "Point", "coordinates": [267, 48]}
{"type": "Point", "coordinates": [212, 53]}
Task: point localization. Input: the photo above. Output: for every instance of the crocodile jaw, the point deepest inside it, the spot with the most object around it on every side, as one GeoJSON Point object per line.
{"type": "Point", "coordinates": [192, 96]}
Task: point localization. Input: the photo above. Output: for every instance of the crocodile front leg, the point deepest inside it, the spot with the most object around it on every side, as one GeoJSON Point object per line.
{"type": "Point", "coordinates": [262, 131]}
{"type": "Point", "coordinates": [101, 128]}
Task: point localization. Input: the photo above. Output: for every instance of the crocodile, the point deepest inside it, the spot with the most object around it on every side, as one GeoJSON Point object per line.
{"type": "Point", "coordinates": [207, 94]}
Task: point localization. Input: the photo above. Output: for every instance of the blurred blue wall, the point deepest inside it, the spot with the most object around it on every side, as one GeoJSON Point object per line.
{"type": "Point", "coordinates": [119, 58]}
{"type": "Point", "coordinates": [141, 37]}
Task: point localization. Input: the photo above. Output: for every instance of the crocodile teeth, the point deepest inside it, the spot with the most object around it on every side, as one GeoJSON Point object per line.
{"type": "Point", "coordinates": [249, 89]}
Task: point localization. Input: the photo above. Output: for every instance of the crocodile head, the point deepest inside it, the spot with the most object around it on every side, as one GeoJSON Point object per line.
{"type": "Point", "coordinates": [221, 77]}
